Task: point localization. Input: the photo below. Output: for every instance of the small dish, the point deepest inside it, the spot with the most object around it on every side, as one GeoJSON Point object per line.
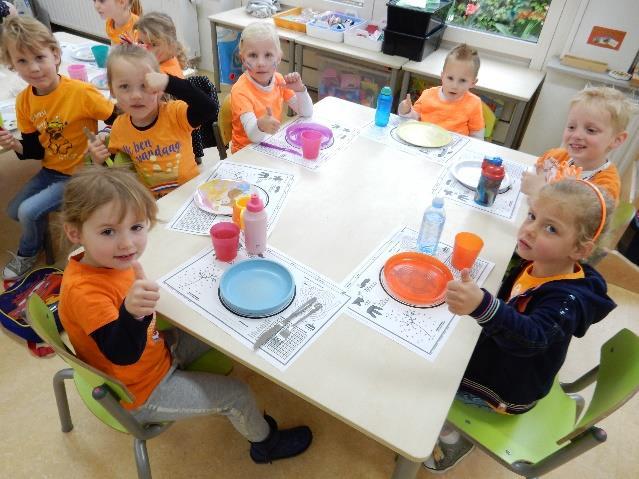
{"type": "Point", "coordinates": [415, 279]}
{"type": "Point", "coordinates": [216, 196]}
{"type": "Point", "coordinates": [100, 81]}
{"type": "Point", "coordinates": [257, 288]}
{"type": "Point", "coordinates": [294, 134]}
{"type": "Point", "coordinates": [427, 135]}
{"type": "Point", "coordinates": [8, 112]}
{"type": "Point", "coordinates": [83, 53]}
{"type": "Point", "coordinates": [468, 172]}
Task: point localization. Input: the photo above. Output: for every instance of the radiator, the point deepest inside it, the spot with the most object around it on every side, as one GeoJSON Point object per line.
{"type": "Point", "coordinates": [81, 16]}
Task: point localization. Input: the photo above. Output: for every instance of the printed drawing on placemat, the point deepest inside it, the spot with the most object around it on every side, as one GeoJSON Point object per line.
{"type": "Point", "coordinates": [271, 184]}
{"type": "Point", "coordinates": [286, 143]}
{"type": "Point", "coordinates": [507, 202]}
{"type": "Point", "coordinates": [389, 137]}
{"type": "Point", "coordinates": [422, 329]}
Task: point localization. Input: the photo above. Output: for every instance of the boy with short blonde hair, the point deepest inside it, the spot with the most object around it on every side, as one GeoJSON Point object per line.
{"type": "Point", "coordinates": [452, 105]}
{"type": "Point", "coordinates": [52, 112]}
{"type": "Point", "coordinates": [595, 126]}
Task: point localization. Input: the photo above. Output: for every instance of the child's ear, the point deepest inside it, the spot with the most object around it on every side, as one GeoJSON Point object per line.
{"type": "Point", "coordinates": [583, 250]}
{"type": "Point", "coordinates": [72, 232]}
{"type": "Point", "coordinates": [618, 139]}
{"type": "Point", "coordinates": [473, 83]}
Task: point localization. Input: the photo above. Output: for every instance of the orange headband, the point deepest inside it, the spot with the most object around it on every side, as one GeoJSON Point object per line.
{"type": "Point", "coordinates": [603, 208]}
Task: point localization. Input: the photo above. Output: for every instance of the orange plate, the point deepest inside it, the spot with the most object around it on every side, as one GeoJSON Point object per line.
{"type": "Point", "coordinates": [417, 278]}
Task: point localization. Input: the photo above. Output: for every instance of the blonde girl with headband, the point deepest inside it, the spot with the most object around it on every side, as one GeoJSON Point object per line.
{"type": "Point", "coordinates": [260, 94]}
{"type": "Point", "coordinates": [527, 327]}
{"type": "Point", "coordinates": [156, 32]}
{"type": "Point", "coordinates": [156, 134]}
{"type": "Point", "coordinates": [120, 16]}
{"type": "Point", "coordinates": [107, 307]}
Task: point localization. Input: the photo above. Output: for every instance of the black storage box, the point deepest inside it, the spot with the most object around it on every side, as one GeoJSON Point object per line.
{"type": "Point", "coordinates": [413, 47]}
{"type": "Point", "coordinates": [414, 20]}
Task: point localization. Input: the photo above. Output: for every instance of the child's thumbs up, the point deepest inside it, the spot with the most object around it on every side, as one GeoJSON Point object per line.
{"type": "Point", "coordinates": [143, 295]}
{"type": "Point", "coordinates": [138, 270]}
{"type": "Point", "coordinates": [405, 106]}
{"type": "Point", "coordinates": [268, 123]}
{"type": "Point", "coordinates": [465, 276]}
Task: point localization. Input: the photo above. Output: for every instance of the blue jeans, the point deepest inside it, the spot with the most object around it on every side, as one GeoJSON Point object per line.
{"type": "Point", "coordinates": [41, 195]}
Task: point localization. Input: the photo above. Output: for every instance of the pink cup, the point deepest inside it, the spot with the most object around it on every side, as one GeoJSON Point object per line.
{"type": "Point", "coordinates": [311, 141]}
{"type": "Point", "coordinates": [226, 240]}
{"type": "Point", "coordinates": [79, 72]}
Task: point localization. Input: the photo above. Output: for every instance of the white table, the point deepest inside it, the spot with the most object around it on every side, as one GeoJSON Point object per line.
{"type": "Point", "coordinates": [496, 76]}
{"type": "Point", "coordinates": [333, 219]}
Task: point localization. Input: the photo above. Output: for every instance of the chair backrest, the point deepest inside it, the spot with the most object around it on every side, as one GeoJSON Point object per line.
{"type": "Point", "coordinates": [224, 120]}
{"type": "Point", "coordinates": [617, 380]}
{"type": "Point", "coordinates": [489, 121]}
{"type": "Point", "coordinates": [41, 319]}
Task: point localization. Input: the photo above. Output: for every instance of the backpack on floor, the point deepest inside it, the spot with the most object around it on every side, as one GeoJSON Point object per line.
{"type": "Point", "coordinates": [45, 282]}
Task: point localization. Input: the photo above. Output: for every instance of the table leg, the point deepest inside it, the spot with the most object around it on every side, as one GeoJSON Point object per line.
{"type": "Point", "coordinates": [216, 63]}
{"type": "Point", "coordinates": [515, 124]}
{"type": "Point", "coordinates": [405, 469]}
{"type": "Point", "coordinates": [291, 57]}
{"type": "Point", "coordinates": [405, 83]}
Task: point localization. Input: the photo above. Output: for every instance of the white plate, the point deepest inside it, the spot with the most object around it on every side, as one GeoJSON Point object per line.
{"type": "Point", "coordinates": [423, 134]}
{"type": "Point", "coordinates": [84, 54]}
{"type": "Point", "coordinates": [99, 81]}
{"type": "Point", "coordinates": [213, 196]}
{"type": "Point", "coordinates": [8, 111]}
{"type": "Point", "coordinates": [468, 172]}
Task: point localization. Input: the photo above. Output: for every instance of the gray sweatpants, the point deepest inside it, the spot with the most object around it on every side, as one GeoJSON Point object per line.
{"type": "Point", "coordinates": [182, 394]}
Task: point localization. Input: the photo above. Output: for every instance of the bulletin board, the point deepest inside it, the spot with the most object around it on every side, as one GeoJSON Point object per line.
{"type": "Point", "coordinates": [607, 32]}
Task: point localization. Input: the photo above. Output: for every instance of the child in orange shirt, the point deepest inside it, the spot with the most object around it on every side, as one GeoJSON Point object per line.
{"type": "Point", "coordinates": [156, 134]}
{"type": "Point", "coordinates": [596, 125]}
{"type": "Point", "coordinates": [107, 307]}
{"type": "Point", "coordinates": [52, 112]}
{"type": "Point", "coordinates": [156, 31]}
{"type": "Point", "coordinates": [258, 96]}
{"type": "Point", "coordinates": [451, 106]}
{"type": "Point", "coordinates": [120, 16]}
{"type": "Point", "coordinates": [527, 327]}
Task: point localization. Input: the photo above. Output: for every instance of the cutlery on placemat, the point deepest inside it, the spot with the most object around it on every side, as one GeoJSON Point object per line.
{"type": "Point", "coordinates": [266, 336]}
{"type": "Point", "coordinates": [286, 330]}
{"type": "Point", "coordinates": [280, 148]}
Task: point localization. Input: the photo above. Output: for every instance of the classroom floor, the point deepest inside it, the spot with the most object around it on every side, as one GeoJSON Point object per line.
{"type": "Point", "coordinates": [34, 447]}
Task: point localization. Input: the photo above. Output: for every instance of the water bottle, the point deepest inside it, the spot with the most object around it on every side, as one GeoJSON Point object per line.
{"type": "Point", "coordinates": [432, 226]}
{"type": "Point", "coordinates": [384, 104]}
{"type": "Point", "coordinates": [492, 174]}
{"type": "Point", "coordinates": [255, 219]}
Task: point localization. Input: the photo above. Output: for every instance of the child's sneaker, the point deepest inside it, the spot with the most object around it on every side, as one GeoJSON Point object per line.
{"type": "Point", "coordinates": [281, 444]}
{"type": "Point", "coordinates": [446, 456]}
{"type": "Point", "coordinates": [18, 266]}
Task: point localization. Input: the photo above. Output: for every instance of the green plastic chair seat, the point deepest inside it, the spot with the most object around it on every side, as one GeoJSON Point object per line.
{"type": "Point", "coordinates": [528, 437]}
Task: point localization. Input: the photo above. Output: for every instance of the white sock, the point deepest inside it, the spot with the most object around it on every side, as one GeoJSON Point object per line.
{"type": "Point", "coordinates": [449, 437]}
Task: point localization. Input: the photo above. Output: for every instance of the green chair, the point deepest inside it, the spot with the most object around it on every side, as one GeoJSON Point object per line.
{"type": "Point", "coordinates": [102, 393]}
{"type": "Point", "coordinates": [551, 434]}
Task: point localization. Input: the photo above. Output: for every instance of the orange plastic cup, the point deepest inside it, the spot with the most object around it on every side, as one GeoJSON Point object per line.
{"type": "Point", "coordinates": [466, 249]}
{"type": "Point", "coordinates": [239, 204]}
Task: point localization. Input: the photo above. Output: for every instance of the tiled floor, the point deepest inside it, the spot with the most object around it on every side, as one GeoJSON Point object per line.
{"type": "Point", "coordinates": [34, 447]}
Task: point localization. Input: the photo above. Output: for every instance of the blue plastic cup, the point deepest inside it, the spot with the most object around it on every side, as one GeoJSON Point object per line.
{"type": "Point", "coordinates": [100, 53]}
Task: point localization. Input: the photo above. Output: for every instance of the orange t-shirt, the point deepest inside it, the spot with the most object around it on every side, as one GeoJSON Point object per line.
{"type": "Point", "coordinates": [59, 118]}
{"type": "Point", "coordinates": [247, 97]}
{"type": "Point", "coordinates": [172, 67]}
{"type": "Point", "coordinates": [462, 116]}
{"type": "Point", "coordinates": [607, 177]}
{"type": "Point", "coordinates": [163, 153]}
{"type": "Point", "coordinates": [126, 29]}
{"type": "Point", "coordinates": [526, 281]}
{"type": "Point", "coordinates": [90, 298]}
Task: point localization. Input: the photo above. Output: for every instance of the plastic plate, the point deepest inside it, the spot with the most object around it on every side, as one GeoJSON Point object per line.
{"type": "Point", "coordinates": [100, 81]}
{"type": "Point", "coordinates": [257, 288]}
{"type": "Point", "coordinates": [416, 279]}
{"type": "Point", "coordinates": [423, 134]}
{"type": "Point", "coordinates": [294, 134]}
{"type": "Point", "coordinates": [84, 54]}
{"type": "Point", "coordinates": [467, 172]}
{"type": "Point", "coordinates": [216, 196]}
{"type": "Point", "coordinates": [8, 112]}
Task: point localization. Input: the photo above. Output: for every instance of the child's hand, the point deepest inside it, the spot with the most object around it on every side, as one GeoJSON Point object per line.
{"type": "Point", "coordinates": [531, 183]}
{"type": "Point", "coordinates": [294, 82]}
{"type": "Point", "coordinates": [7, 140]}
{"type": "Point", "coordinates": [98, 150]}
{"type": "Point", "coordinates": [143, 294]}
{"type": "Point", "coordinates": [267, 123]}
{"type": "Point", "coordinates": [156, 82]}
{"type": "Point", "coordinates": [405, 106]}
{"type": "Point", "coordinates": [464, 296]}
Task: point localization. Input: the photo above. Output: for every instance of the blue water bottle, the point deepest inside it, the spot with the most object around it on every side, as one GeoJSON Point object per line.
{"type": "Point", "coordinates": [384, 104]}
{"type": "Point", "coordinates": [432, 226]}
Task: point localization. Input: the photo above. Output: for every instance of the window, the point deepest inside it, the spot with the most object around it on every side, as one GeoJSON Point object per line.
{"type": "Point", "coordinates": [521, 19]}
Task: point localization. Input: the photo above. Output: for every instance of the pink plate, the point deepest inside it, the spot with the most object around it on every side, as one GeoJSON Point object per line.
{"type": "Point", "coordinates": [294, 133]}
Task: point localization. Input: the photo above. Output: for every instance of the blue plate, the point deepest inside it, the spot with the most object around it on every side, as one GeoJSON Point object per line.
{"type": "Point", "coordinates": [257, 288]}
